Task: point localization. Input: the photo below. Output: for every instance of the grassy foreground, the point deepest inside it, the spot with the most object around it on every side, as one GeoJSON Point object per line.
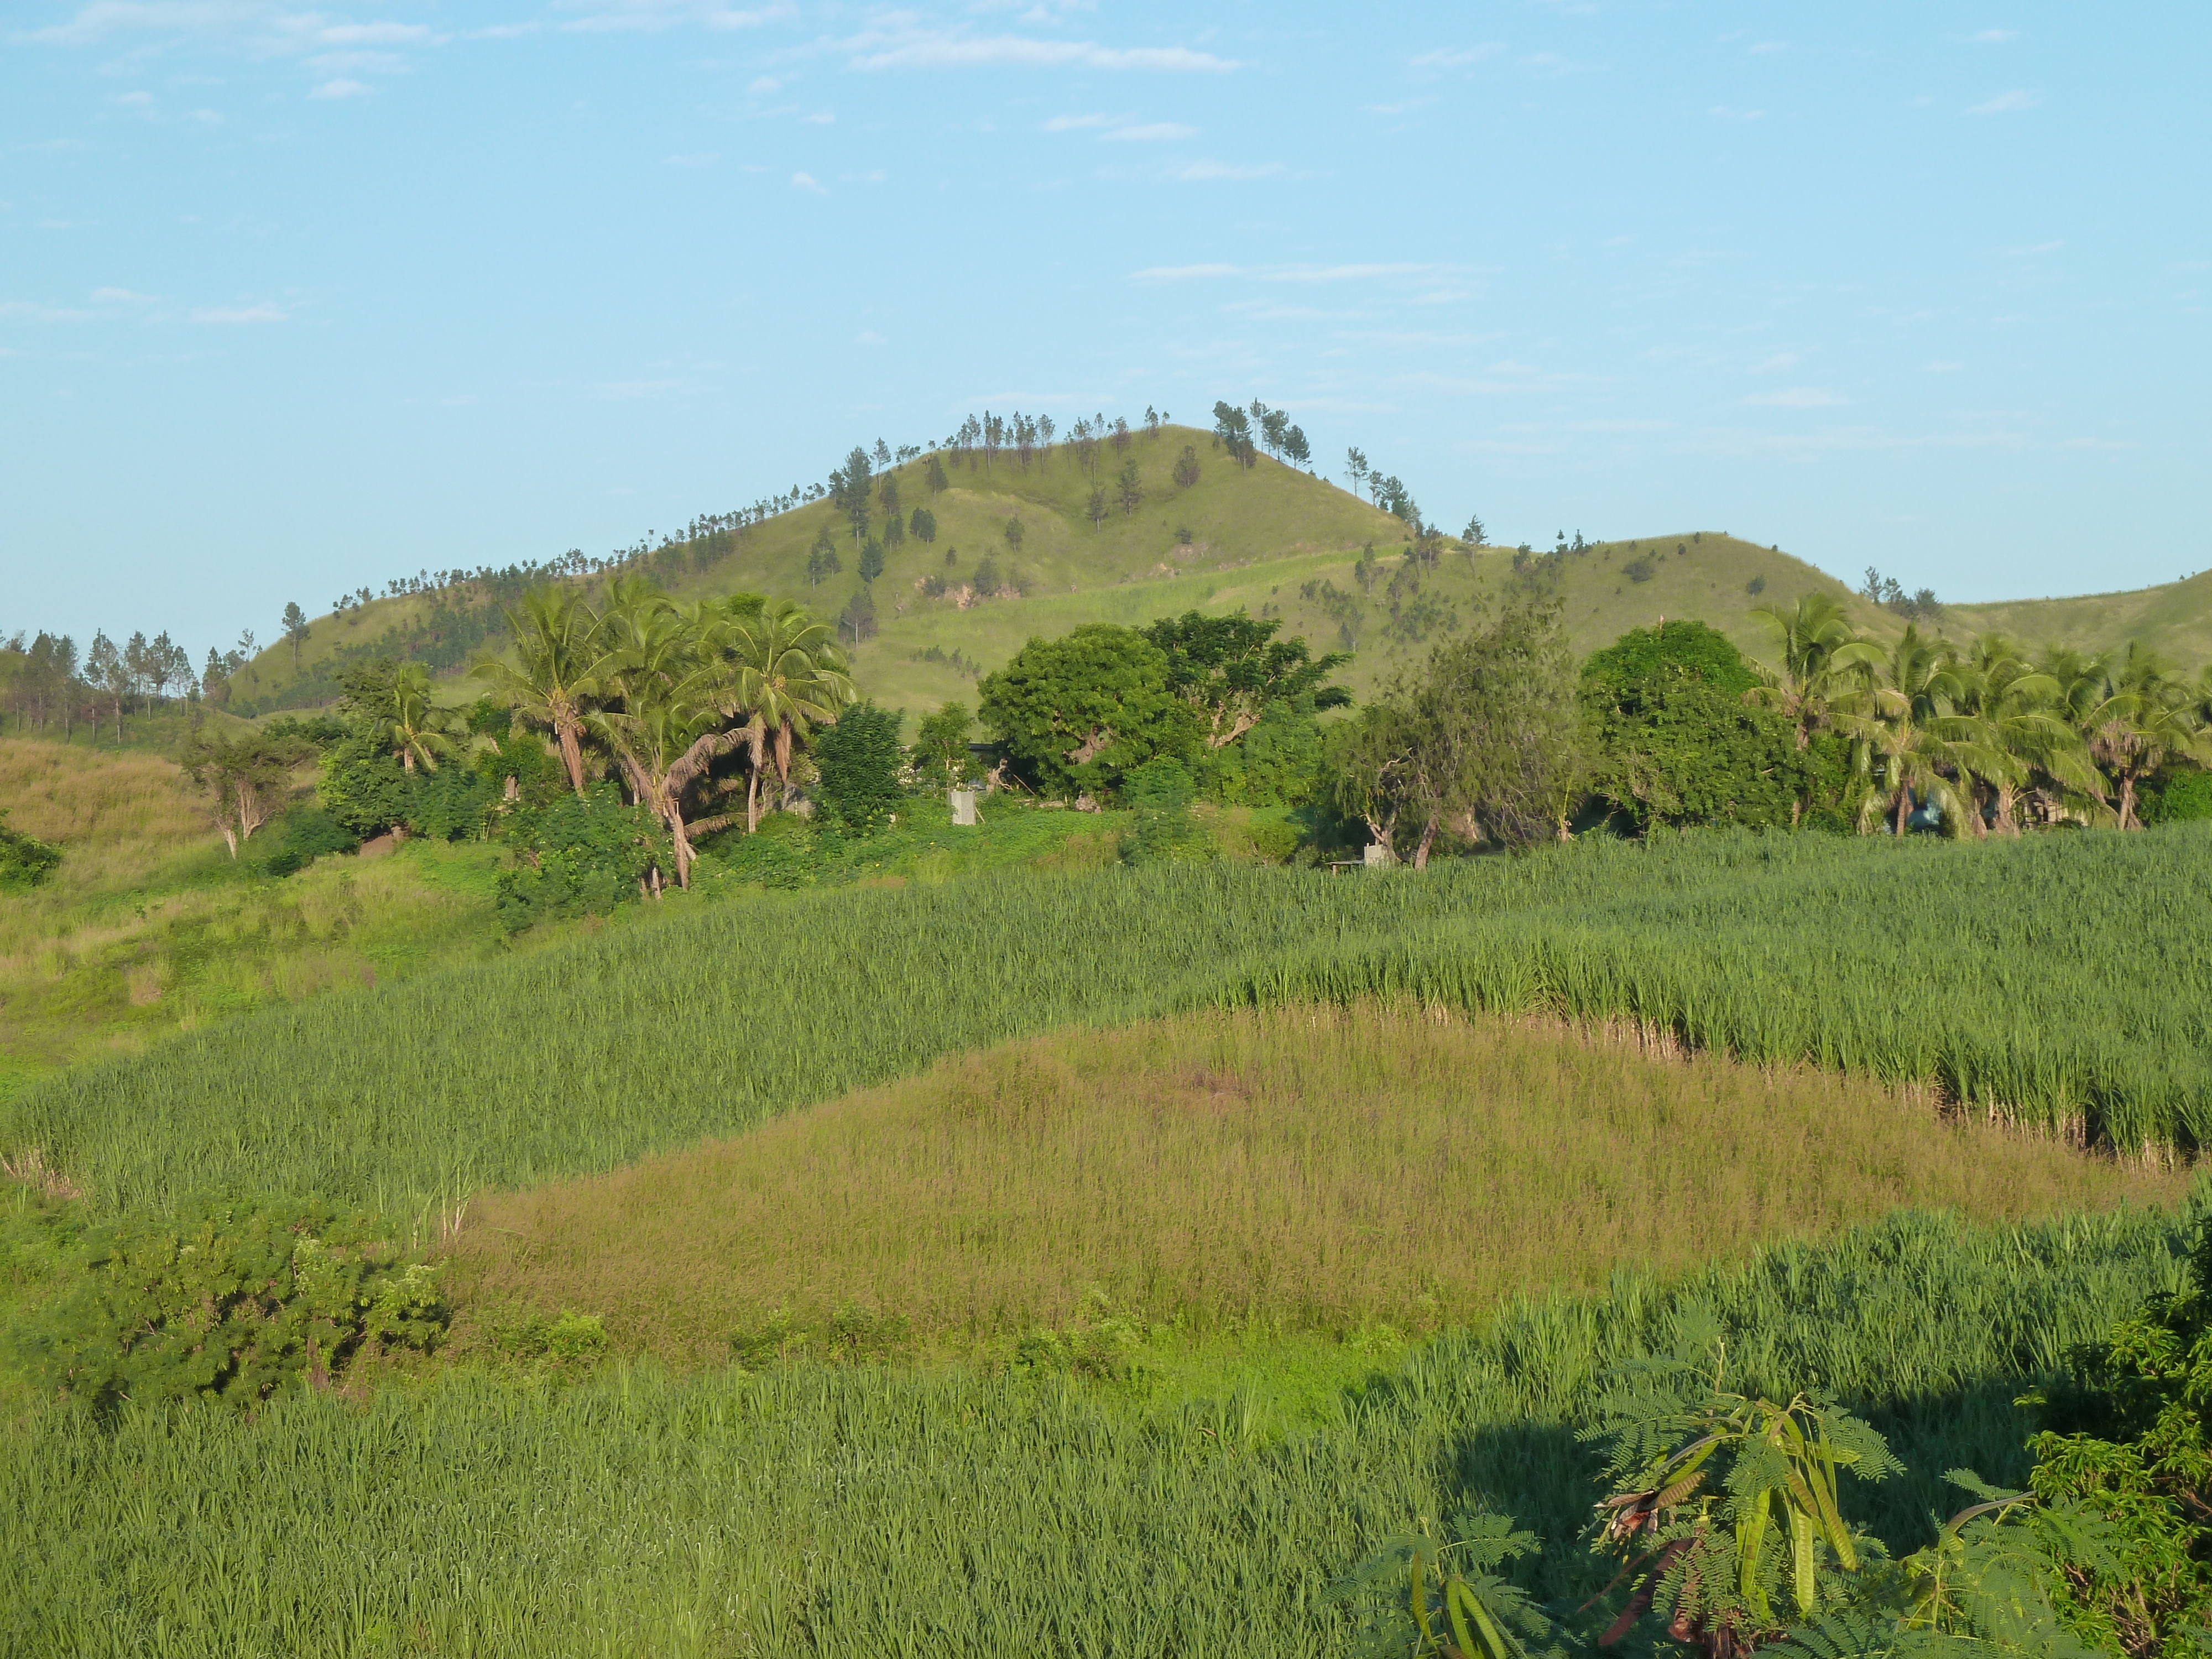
{"type": "Point", "coordinates": [2016, 977]}
{"type": "Point", "coordinates": [1304, 1168]}
{"type": "Point", "coordinates": [854, 1511]}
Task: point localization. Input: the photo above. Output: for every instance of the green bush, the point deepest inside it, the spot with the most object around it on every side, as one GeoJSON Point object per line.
{"type": "Point", "coordinates": [1161, 791]}
{"type": "Point", "coordinates": [303, 835]}
{"type": "Point", "coordinates": [226, 1301]}
{"type": "Point", "coordinates": [2125, 1437]}
{"type": "Point", "coordinates": [580, 856]}
{"type": "Point", "coordinates": [2184, 799]}
{"type": "Point", "coordinates": [780, 855]}
{"type": "Point", "coordinates": [25, 860]}
{"type": "Point", "coordinates": [859, 759]}
{"type": "Point", "coordinates": [568, 1337]}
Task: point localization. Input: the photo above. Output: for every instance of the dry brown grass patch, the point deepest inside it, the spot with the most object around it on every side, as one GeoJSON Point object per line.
{"type": "Point", "coordinates": [1315, 1169]}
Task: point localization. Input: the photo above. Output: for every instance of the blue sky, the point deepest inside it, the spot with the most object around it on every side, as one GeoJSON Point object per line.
{"type": "Point", "coordinates": [293, 298]}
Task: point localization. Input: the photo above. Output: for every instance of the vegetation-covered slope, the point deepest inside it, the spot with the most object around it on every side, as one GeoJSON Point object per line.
{"type": "Point", "coordinates": [1968, 965]}
{"type": "Point", "coordinates": [1273, 540]}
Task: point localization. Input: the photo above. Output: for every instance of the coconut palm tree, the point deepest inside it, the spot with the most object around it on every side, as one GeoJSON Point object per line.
{"type": "Point", "coordinates": [784, 675]}
{"type": "Point", "coordinates": [2016, 730]}
{"type": "Point", "coordinates": [1819, 654]}
{"type": "Point", "coordinates": [2134, 717]}
{"type": "Point", "coordinates": [1901, 716]}
{"type": "Point", "coordinates": [556, 679]}
{"type": "Point", "coordinates": [667, 688]}
{"type": "Point", "coordinates": [665, 739]}
{"type": "Point", "coordinates": [408, 723]}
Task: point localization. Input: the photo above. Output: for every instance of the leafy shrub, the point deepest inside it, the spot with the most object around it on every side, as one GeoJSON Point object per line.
{"type": "Point", "coordinates": [580, 856]}
{"type": "Point", "coordinates": [568, 1337]}
{"type": "Point", "coordinates": [780, 855]}
{"type": "Point", "coordinates": [364, 789]}
{"type": "Point", "coordinates": [2126, 1439]}
{"type": "Point", "coordinates": [303, 835]}
{"type": "Point", "coordinates": [226, 1302]}
{"type": "Point", "coordinates": [1639, 570]}
{"type": "Point", "coordinates": [450, 803]}
{"type": "Point", "coordinates": [1162, 791]}
{"type": "Point", "coordinates": [25, 860]}
{"type": "Point", "coordinates": [859, 758]}
{"type": "Point", "coordinates": [2186, 799]}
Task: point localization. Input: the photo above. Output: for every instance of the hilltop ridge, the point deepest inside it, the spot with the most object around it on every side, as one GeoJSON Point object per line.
{"type": "Point", "coordinates": [1273, 539]}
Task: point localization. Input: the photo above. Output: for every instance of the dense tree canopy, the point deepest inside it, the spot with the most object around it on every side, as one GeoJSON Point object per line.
{"type": "Point", "coordinates": [1673, 739]}
{"type": "Point", "coordinates": [1077, 714]}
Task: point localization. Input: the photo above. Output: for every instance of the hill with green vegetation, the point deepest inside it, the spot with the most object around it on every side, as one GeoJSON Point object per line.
{"type": "Point", "coordinates": [1271, 540]}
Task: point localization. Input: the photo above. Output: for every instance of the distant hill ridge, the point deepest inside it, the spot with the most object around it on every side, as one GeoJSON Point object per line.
{"type": "Point", "coordinates": [1066, 545]}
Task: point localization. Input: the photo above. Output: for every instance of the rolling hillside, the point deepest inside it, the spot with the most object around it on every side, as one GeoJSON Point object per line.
{"type": "Point", "coordinates": [1275, 541]}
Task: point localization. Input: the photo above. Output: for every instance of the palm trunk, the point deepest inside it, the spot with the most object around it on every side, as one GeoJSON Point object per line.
{"type": "Point", "coordinates": [783, 732]}
{"type": "Point", "coordinates": [572, 754]}
{"type": "Point", "coordinates": [1903, 811]}
{"type": "Point", "coordinates": [2127, 800]}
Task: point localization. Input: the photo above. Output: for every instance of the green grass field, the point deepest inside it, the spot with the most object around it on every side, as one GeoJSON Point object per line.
{"type": "Point", "coordinates": [850, 1510]}
{"type": "Point", "coordinates": [2013, 976]}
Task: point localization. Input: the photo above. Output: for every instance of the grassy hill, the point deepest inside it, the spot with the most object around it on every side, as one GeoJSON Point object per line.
{"type": "Point", "coordinates": [1274, 541]}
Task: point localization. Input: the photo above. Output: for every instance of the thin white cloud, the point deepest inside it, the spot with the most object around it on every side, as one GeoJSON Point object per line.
{"type": "Point", "coordinates": [1198, 171]}
{"type": "Point", "coordinates": [2005, 102]}
{"type": "Point", "coordinates": [375, 34]}
{"type": "Point", "coordinates": [1779, 360]}
{"type": "Point", "coordinates": [807, 181]}
{"type": "Point", "coordinates": [869, 337]}
{"type": "Point", "coordinates": [341, 87]}
{"type": "Point", "coordinates": [704, 160]}
{"type": "Point", "coordinates": [39, 314]}
{"type": "Point", "coordinates": [820, 119]}
{"type": "Point", "coordinates": [2031, 250]}
{"type": "Point", "coordinates": [1183, 273]}
{"type": "Point", "coordinates": [1348, 273]}
{"type": "Point", "coordinates": [226, 315]}
{"type": "Point", "coordinates": [656, 14]}
{"type": "Point", "coordinates": [764, 85]}
{"type": "Point", "coordinates": [1152, 132]}
{"type": "Point", "coordinates": [1795, 396]}
{"type": "Point", "coordinates": [133, 99]}
{"type": "Point", "coordinates": [1764, 46]}
{"type": "Point", "coordinates": [1994, 37]}
{"type": "Point", "coordinates": [940, 51]}
{"type": "Point", "coordinates": [1404, 106]}
{"type": "Point", "coordinates": [1444, 57]}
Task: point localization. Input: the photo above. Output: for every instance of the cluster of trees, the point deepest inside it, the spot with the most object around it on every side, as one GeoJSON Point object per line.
{"type": "Point", "coordinates": [983, 440]}
{"type": "Point", "coordinates": [45, 683]}
{"type": "Point", "coordinates": [1388, 492]}
{"type": "Point", "coordinates": [1919, 605]}
{"type": "Point", "coordinates": [1245, 432]}
{"type": "Point", "coordinates": [1500, 738]}
{"type": "Point", "coordinates": [667, 722]}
